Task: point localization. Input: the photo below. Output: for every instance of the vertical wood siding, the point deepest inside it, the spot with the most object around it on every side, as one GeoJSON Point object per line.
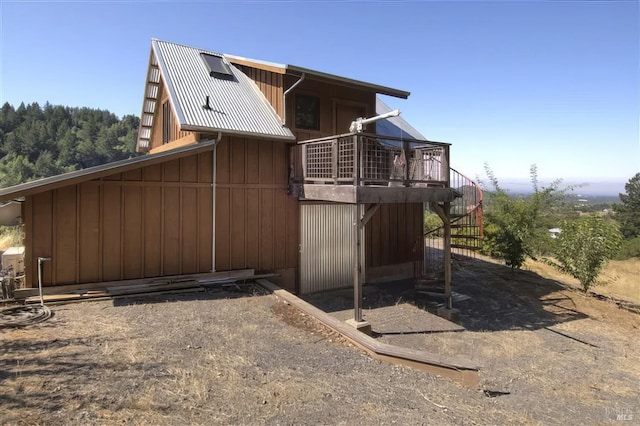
{"type": "Point", "coordinates": [394, 235]}
{"type": "Point", "coordinates": [148, 222]}
{"type": "Point", "coordinates": [256, 220]}
{"type": "Point", "coordinates": [158, 122]}
{"type": "Point", "coordinates": [270, 84]}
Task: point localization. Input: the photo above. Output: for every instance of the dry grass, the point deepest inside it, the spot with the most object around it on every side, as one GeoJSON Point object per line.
{"type": "Point", "coordinates": [621, 278]}
{"type": "Point", "coordinates": [202, 359]}
{"type": "Point", "coordinates": [10, 236]}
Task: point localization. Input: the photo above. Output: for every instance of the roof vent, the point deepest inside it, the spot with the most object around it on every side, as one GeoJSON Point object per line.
{"type": "Point", "coordinates": [217, 66]}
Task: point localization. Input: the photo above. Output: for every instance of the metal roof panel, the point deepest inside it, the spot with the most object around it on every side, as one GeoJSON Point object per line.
{"type": "Point", "coordinates": [235, 105]}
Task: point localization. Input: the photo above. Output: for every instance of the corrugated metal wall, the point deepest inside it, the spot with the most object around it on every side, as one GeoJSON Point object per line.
{"type": "Point", "coordinates": [392, 239]}
{"type": "Point", "coordinates": [326, 247]}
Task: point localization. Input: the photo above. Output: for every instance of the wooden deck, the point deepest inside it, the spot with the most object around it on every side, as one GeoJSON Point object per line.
{"type": "Point", "coordinates": [365, 168]}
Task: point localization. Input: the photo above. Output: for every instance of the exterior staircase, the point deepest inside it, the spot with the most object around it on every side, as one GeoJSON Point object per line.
{"type": "Point", "coordinates": [466, 226]}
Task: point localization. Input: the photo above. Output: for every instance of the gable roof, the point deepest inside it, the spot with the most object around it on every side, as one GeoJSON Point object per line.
{"type": "Point", "coordinates": [236, 105]}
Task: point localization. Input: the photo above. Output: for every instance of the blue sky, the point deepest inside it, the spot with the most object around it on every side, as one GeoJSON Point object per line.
{"type": "Point", "coordinates": [508, 83]}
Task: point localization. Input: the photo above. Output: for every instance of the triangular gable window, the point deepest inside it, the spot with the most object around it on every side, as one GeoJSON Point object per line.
{"type": "Point", "coordinates": [217, 66]}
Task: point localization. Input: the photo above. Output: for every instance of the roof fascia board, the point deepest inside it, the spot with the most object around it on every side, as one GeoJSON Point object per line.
{"type": "Point", "coordinates": [254, 63]}
{"type": "Point", "coordinates": [200, 129]}
{"type": "Point", "coordinates": [79, 176]}
{"type": "Point", "coordinates": [285, 69]}
{"type": "Point", "coordinates": [350, 82]}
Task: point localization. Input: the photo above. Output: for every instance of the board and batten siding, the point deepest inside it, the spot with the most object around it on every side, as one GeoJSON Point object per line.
{"type": "Point", "coordinates": [256, 219]}
{"type": "Point", "coordinates": [147, 222]}
{"type": "Point", "coordinates": [270, 84]}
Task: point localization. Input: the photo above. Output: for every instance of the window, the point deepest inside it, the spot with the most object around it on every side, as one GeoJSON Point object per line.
{"type": "Point", "coordinates": [307, 112]}
{"type": "Point", "coordinates": [217, 66]}
{"type": "Point", "coordinates": [166, 123]}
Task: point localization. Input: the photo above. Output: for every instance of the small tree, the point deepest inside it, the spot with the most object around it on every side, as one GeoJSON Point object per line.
{"type": "Point", "coordinates": [584, 247]}
{"type": "Point", "coordinates": [517, 226]}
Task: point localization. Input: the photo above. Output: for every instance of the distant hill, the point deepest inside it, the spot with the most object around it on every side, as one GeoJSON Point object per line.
{"type": "Point", "coordinates": [37, 142]}
{"type": "Point", "coordinates": [609, 188]}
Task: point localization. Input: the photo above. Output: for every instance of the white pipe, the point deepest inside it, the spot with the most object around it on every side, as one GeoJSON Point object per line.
{"type": "Point", "coordinates": [213, 203]}
{"type": "Point", "coordinates": [359, 123]}
{"type": "Point", "coordinates": [284, 99]}
{"type": "Point", "coordinates": [41, 260]}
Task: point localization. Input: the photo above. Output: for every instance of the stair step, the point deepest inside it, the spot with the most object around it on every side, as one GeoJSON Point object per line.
{"type": "Point", "coordinates": [462, 246]}
{"type": "Point", "coordinates": [467, 237]}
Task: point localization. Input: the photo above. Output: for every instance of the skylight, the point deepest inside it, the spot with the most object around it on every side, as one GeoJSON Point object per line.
{"type": "Point", "coordinates": [217, 66]}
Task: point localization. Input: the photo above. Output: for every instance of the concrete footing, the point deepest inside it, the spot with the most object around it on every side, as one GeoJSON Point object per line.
{"type": "Point", "coordinates": [362, 326]}
{"type": "Point", "coordinates": [449, 314]}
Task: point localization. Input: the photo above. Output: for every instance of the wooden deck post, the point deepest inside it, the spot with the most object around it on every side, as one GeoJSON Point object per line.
{"type": "Point", "coordinates": [357, 282]}
{"type": "Point", "coordinates": [444, 212]}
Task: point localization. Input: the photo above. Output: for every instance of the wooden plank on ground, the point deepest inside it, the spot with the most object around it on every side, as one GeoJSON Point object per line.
{"type": "Point", "coordinates": [458, 369]}
{"type": "Point", "coordinates": [114, 291]}
{"type": "Point", "coordinates": [23, 293]}
{"type": "Point", "coordinates": [97, 299]}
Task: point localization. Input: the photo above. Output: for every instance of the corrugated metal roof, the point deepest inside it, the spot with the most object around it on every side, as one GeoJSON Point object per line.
{"type": "Point", "coordinates": [95, 172]}
{"type": "Point", "coordinates": [237, 105]}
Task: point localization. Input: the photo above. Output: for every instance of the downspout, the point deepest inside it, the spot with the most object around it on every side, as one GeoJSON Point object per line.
{"type": "Point", "coordinates": [213, 202]}
{"type": "Point", "coordinates": [284, 99]}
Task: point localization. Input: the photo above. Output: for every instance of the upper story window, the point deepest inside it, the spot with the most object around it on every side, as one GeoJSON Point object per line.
{"type": "Point", "coordinates": [307, 112]}
{"type": "Point", "coordinates": [167, 125]}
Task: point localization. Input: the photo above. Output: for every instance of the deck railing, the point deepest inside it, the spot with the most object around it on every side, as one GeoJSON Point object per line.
{"type": "Point", "coordinates": [366, 159]}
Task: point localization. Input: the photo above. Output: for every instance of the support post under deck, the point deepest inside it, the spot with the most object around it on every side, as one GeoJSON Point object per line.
{"type": "Point", "coordinates": [360, 219]}
{"type": "Point", "coordinates": [357, 282]}
{"type": "Point", "coordinates": [444, 212]}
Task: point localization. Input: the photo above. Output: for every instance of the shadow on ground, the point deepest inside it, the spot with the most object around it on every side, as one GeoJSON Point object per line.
{"type": "Point", "coordinates": [499, 298]}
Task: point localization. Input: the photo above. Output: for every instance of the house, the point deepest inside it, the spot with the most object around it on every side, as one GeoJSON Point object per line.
{"type": "Point", "coordinates": [248, 164]}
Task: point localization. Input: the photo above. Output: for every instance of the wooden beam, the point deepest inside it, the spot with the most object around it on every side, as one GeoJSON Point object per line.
{"type": "Point", "coordinates": [376, 194]}
{"type": "Point", "coordinates": [357, 260]}
{"type": "Point", "coordinates": [458, 369]}
{"type": "Point", "coordinates": [369, 214]}
{"type": "Point", "coordinates": [444, 212]}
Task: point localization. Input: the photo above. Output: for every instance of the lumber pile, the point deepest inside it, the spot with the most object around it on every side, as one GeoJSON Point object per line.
{"type": "Point", "coordinates": [140, 287]}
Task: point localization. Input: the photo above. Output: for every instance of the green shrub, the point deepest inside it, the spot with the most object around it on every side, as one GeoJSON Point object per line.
{"type": "Point", "coordinates": [628, 249]}
{"type": "Point", "coordinates": [584, 247]}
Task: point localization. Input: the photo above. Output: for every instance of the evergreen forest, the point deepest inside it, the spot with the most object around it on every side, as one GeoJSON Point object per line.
{"type": "Point", "coordinates": [39, 141]}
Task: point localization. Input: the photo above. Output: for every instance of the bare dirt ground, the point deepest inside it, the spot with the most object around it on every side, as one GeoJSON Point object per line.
{"type": "Point", "coordinates": [224, 357]}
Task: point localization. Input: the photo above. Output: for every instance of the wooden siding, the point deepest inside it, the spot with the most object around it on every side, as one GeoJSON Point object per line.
{"type": "Point", "coordinates": [331, 96]}
{"type": "Point", "coordinates": [256, 220]}
{"type": "Point", "coordinates": [394, 235]}
{"type": "Point", "coordinates": [147, 222]}
{"type": "Point", "coordinates": [270, 84]}
{"type": "Point", "coordinates": [158, 122]}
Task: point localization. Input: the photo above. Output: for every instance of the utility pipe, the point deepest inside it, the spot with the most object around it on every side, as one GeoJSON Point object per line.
{"type": "Point", "coordinates": [284, 98]}
{"type": "Point", "coordinates": [358, 124]}
{"type": "Point", "coordinates": [213, 202]}
{"type": "Point", "coordinates": [41, 260]}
